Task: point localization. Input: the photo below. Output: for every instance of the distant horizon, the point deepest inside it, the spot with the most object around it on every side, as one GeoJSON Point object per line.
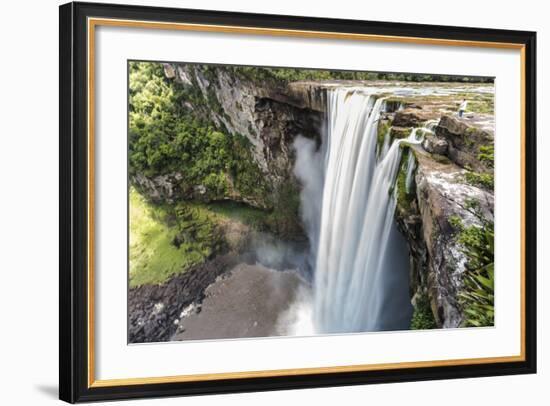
{"type": "Point", "coordinates": [419, 76]}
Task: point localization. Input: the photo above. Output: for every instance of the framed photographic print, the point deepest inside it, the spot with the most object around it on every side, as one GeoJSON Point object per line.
{"type": "Point", "coordinates": [256, 202]}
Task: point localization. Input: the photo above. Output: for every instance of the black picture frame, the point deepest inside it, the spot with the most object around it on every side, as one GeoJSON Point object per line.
{"type": "Point", "coordinates": [74, 385]}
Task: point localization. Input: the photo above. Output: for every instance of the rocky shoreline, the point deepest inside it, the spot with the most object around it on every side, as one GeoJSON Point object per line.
{"type": "Point", "coordinates": [249, 300]}
{"type": "Point", "coordinates": [153, 310]}
{"type": "Point", "coordinates": [198, 303]}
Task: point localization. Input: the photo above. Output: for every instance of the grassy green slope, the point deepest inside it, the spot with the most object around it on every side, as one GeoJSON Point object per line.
{"type": "Point", "coordinates": [165, 240]}
{"type": "Point", "coordinates": [168, 239]}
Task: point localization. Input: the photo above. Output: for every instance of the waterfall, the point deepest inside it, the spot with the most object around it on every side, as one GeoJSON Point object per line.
{"type": "Point", "coordinates": [360, 259]}
{"type": "Point", "coordinates": [411, 165]}
{"type": "Point", "coordinates": [385, 144]}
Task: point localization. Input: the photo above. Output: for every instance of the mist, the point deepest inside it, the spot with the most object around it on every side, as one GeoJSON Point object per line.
{"type": "Point", "coordinates": [309, 169]}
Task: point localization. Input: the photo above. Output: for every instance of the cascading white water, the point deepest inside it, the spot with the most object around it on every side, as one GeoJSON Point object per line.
{"type": "Point", "coordinates": [411, 161]}
{"type": "Point", "coordinates": [361, 263]}
{"type": "Point", "coordinates": [411, 165]}
{"type": "Point", "coordinates": [385, 144]}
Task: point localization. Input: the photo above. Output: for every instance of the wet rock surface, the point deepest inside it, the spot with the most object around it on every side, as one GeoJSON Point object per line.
{"type": "Point", "coordinates": [222, 298]}
{"type": "Point", "coordinates": [246, 301]}
{"type": "Point", "coordinates": [153, 309]}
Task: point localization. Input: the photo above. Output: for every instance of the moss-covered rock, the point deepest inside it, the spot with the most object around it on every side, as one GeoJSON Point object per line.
{"type": "Point", "coordinates": [466, 143]}
{"type": "Point", "coordinates": [412, 116]}
{"type": "Point", "coordinates": [435, 145]}
{"type": "Point", "coordinates": [423, 315]}
{"type": "Point", "coordinates": [384, 127]}
{"type": "Point", "coordinates": [168, 239]}
{"type": "Point", "coordinates": [406, 187]}
{"type": "Point", "coordinates": [437, 262]}
{"type": "Point", "coordinates": [397, 132]}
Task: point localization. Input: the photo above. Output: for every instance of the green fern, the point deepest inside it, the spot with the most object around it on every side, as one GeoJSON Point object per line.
{"type": "Point", "coordinates": [478, 297]}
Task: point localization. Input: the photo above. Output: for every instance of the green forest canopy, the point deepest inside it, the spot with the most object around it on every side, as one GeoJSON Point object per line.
{"type": "Point", "coordinates": [164, 138]}
{"type": "Point", "coordinates": [296, 74]}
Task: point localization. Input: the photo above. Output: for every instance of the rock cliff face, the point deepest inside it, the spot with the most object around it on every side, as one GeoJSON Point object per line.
{"type": "Point", "coordinates": [267, 113]}
{"type": "Point", "coordinates": [443, 194]}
